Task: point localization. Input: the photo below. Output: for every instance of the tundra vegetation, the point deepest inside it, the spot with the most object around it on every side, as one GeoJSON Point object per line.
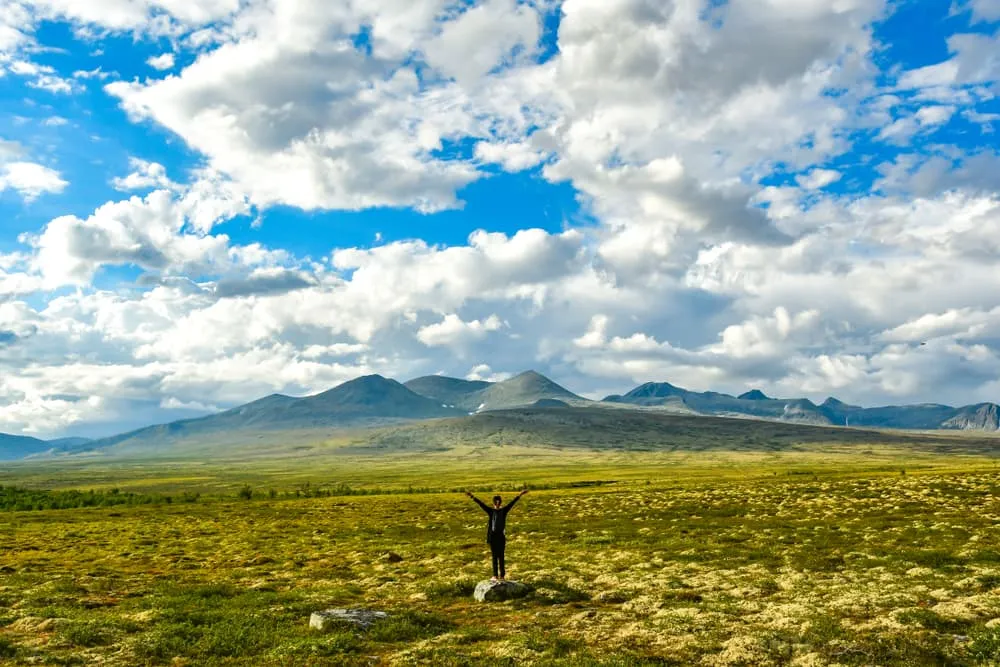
{"type": "Point", "coordinates": [853, 556]}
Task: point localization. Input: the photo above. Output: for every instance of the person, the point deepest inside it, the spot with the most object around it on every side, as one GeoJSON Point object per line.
{"type": "Point", "coordinates": [496, 535]}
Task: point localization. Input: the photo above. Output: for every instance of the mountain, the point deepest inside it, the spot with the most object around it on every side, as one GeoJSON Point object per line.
{"type": "Point", "coordinates": [13, 447]}
{"type": "Point", "coordinates": [18, 446]}
{"type": "Point", "coordinates": [756, 404]}
{"type": "Point", "coordinates": [279, 423]}
{"type": "Point", "coordinates": [521, 390]}
{"type": "Point", "coordinates": [446, 390]}
{"type": "Point", "coordinates": [751, 404]}
{"type": "Point", "coordinates": [981, 417]}
{"type": "Point", "coordinates": [754, 395]}
{"type": "Point", "coordinates": [365, 401]}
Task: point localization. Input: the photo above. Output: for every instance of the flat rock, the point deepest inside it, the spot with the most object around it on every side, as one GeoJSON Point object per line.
{"type": "Point", "coordinates": [497, 591]}
{"type": "Point", "coordinates": [363, 618]}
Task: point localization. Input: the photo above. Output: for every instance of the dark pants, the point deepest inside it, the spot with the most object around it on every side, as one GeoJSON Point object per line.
{"type": "Point", "coordinates": [497, 545]}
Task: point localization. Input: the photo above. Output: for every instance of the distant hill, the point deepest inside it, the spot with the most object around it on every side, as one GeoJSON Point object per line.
{"type": "Point", "coordinates": [524, 389]}
{"type": "Point", "coordinates": [756, 404]}
{"type": "Point", "coordinates": [447, 390]}
{"type": "Point", "coordinates": [640, 430]}
{"type": "Point", "coordinates": [365, 401]}
{"type": "Point", "coordinates": [13, 447]}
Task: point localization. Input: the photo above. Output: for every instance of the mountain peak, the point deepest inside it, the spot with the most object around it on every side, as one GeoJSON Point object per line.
{"type": "Point", "coordinates": [754, 395]}
{"type": "Point", "coordinates": [521, 390]}
{"type": "Point", "coordinates": [652, 391]}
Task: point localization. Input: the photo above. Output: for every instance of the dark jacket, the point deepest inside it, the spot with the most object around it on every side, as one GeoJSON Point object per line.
{"type": "Point", "coordinates": [497, 523]}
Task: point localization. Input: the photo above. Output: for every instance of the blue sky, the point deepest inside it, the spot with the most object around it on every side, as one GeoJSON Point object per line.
{"type": "Point", "coordinates": [201, 206]}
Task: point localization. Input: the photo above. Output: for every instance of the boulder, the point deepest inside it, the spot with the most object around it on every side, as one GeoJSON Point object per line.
{"type": "Point", "coordinates": [497, 591]}
{"type": "Point", "coordinates": [363, 618]}
{"type": "Point", "coordinates": [393, 557]}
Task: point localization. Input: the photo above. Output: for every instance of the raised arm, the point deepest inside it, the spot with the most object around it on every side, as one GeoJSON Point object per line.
{"type": "Point", "coordinates": [478, 502]}
{"type": "Point", "coordinates": [516, 498]}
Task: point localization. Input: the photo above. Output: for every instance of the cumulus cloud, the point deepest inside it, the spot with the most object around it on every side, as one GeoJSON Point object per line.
{"type": "Point", "coordinates": [452, 330]}
{"type": "Point", "coordinates": [29, 179]}
{"type": "Point", "coordinates": [163, 61]}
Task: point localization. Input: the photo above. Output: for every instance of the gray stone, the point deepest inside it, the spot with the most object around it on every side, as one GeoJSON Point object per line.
{"type": "Point", "coordinates": [497, 591]}
{"type": "Point", "coordinates": [363, 618]}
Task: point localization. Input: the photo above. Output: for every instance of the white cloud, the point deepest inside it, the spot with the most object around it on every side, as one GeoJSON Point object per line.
{"type": "Point", "coordinates": [935, 115]}
{"type": "Point", "coordinates": [44, 77]}
{"type": "Point", "coordinates": [512, 156]}
{"type": "Point", "coordinates": [29, 179]}
{"type": "Point", "coordinates": [163, 61]}
{"type": "Point", "coordinates": [471, 45]}
{"type": "Point", "coordinates": [986, 10]}
{"type": "Point", "coordinates": [818, 178]}
{"type": "Point", "coordinates": [453, 331]}
{"type": "Point", "coordinates": [483, 372]}
{"type": "Point", "coordinates": [144, 175]}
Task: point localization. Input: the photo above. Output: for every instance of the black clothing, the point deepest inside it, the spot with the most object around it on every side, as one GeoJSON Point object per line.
{"type": "Point", "coordinates": [497, 546]}
{"type": "Point", "coordinates": [497, 523]}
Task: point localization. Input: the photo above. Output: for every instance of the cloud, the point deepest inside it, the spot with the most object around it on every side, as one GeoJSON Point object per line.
{"type": "Point", "coordinates": [264, 281]}
{"type": "Point", "coordinates": [163, 61]}
{"type": "Point", "coordinates": [985, 10]}
{"type": "Point", "coordinates": [144, 175]}
{"type": "Point", "coordinates": [818, 178]}
{"type": "Point", "coordinates": [29, 179]}
{"type": "Point", "coordinates": [453, 331]}
{"type": "Point", "coordinates": [483, 36]}
{"type": "Point", "coordinates": [44, 77]}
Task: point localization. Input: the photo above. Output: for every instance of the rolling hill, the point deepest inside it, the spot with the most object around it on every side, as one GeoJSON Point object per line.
{"type": "Point", "coordinates": [591, 428]}
{"type": "Point", "coordinates": [13, 447]}
{"type": "Point", "coordinates": [447, 390]}
{"type": "Point", "coordinates": [521, 390]}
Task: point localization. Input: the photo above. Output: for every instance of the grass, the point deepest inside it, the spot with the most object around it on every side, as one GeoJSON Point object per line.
{"type": "Point", "coordinates": [806, 558]}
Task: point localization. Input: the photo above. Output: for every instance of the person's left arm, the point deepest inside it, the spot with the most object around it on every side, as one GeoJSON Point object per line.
{"type": "Point", "coordinates": [516, 498]}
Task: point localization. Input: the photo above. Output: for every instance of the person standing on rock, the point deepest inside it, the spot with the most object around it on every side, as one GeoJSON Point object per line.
{"type": "Point", "coordinates": [496, 534]}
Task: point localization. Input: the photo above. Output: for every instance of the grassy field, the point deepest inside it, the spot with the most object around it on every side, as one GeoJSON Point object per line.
{"type": "Point", "coordinates": [836, 555]}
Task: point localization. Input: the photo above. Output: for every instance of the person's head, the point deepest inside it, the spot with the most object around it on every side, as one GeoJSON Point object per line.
{"type": "Point", "coordinates": [497, 501]}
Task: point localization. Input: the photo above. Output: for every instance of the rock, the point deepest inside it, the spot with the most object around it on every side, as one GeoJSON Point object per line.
{"type": "Point", "coordinates": [496, 591]}
{"type": "Point", "coordinates": [393, 557]}
{"type": "Point", "coordinates": [36, 624]}
{"type": "Point", "coordinates": [611, 597]}
{"type": "Point", "coordinates": [363, 618]}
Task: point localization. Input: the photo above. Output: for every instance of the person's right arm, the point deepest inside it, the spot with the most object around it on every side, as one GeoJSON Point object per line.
{"type": "Point", "coordinates": [478, 502]}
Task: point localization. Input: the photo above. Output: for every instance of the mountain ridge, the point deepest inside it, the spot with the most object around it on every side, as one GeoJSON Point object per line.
{"type": "Point", "coordinates": [832, 411]}
{"type": "Point", "coordinates": [373, 400]}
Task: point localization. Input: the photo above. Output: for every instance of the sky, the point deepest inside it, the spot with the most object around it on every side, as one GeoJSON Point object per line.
{"type": "Point", "coordinates": [202, 203]}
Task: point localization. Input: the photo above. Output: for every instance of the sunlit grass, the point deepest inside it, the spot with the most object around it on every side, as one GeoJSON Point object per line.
{"type": "Point", "coordinates": [804, 558]}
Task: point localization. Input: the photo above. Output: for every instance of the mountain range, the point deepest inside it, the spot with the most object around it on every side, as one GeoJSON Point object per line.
{"type": "Point", "coordinates": [375, 401]}
{"type": "Point", "coordinates": [754, 403]}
